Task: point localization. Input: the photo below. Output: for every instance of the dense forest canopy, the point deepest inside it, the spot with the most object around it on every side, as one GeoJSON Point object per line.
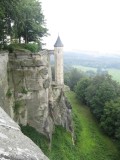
{"type": "Point", "coordinates": [21, 18]}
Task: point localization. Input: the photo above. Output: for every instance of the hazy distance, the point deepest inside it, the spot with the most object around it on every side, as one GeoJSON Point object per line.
{"type": "Point", "coordinates": [84, 25]}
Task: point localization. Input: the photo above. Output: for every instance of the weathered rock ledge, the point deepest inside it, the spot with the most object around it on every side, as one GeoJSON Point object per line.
{"type": "Point", "coordinates": [13, 144]}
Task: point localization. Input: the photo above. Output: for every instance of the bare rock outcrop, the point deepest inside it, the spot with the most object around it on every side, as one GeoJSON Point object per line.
{"type": "Point", "coordinates": [13, 144]}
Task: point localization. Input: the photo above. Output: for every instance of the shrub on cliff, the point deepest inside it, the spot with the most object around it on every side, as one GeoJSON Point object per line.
{"type": "Point", "coordinates": [33, 47]}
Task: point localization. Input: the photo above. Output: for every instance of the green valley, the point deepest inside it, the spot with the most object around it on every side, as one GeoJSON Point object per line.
{"type": "Point", "coordinates": [90, 142]}
{"type": "Point", "coordinates": [115, 73]}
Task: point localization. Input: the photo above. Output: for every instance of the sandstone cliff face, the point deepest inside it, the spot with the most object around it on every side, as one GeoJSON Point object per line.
{"type": "Point", "coordinates": [13, 144]}
{"type": "Point", "coordinates": [37, 100]}
{"type": "Point", "coordinates": [28, 77]}
{"type": "Point", "coordinates": [5, 102]}
{"type": "Point", "coordinates": [29, 96]}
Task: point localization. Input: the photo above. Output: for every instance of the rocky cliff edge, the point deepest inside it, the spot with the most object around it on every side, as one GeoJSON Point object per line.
{"type": "Point", "coordinates": [13, 144]}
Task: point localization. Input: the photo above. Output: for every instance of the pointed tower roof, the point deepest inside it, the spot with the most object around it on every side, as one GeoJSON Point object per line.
{"type": "Point", "coordinates": [58, 42]}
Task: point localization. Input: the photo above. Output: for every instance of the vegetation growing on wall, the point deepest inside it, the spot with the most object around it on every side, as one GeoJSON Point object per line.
{"type": "Point", "coordinates": [9, 93]}
{"type": "Point", "coordinates": [23, 90]}
{"type": "Point", "coordinates": [17, 106]}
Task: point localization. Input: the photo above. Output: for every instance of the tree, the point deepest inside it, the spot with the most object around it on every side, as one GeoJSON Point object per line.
{"type": "Point", "coordinates": [101, 89]}
{"type": "Point", "coordinates": [30, 24]}
{"type": "Point", "coordinates": [80, 89]}
{"type": "Point", "coordinates": [110, 120]}
{"type": "Point", "coordinates": [7, 16]}
{"type": "Point", "coordinates": [72, 77]}
{"type": "Point", "coordinates": [22, 18]}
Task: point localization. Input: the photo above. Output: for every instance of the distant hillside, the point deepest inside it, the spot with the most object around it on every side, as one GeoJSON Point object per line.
{"type": "Point", "coordinates": [99, 61]}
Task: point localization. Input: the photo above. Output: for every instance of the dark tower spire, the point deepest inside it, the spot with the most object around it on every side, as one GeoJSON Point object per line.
{"type": "Point", "coordinates": [58, 42]}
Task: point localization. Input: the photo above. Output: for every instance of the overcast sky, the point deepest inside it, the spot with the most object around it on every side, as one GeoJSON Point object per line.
{"type": "Point", "coordinates": [85, 25]}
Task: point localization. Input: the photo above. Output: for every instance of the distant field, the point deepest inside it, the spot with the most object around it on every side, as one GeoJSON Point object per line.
{"type": "Point", "coordinates": [115, 73]}
{"type": "Point", "coordinates": [83, 68]}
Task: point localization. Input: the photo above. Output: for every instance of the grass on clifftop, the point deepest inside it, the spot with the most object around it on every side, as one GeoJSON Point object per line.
{"type": "Point", "coordinates": [90, 142]}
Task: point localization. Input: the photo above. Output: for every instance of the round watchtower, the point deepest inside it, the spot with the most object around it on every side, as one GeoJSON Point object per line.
{"type": "Point", "coordinates": [58, 52]}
